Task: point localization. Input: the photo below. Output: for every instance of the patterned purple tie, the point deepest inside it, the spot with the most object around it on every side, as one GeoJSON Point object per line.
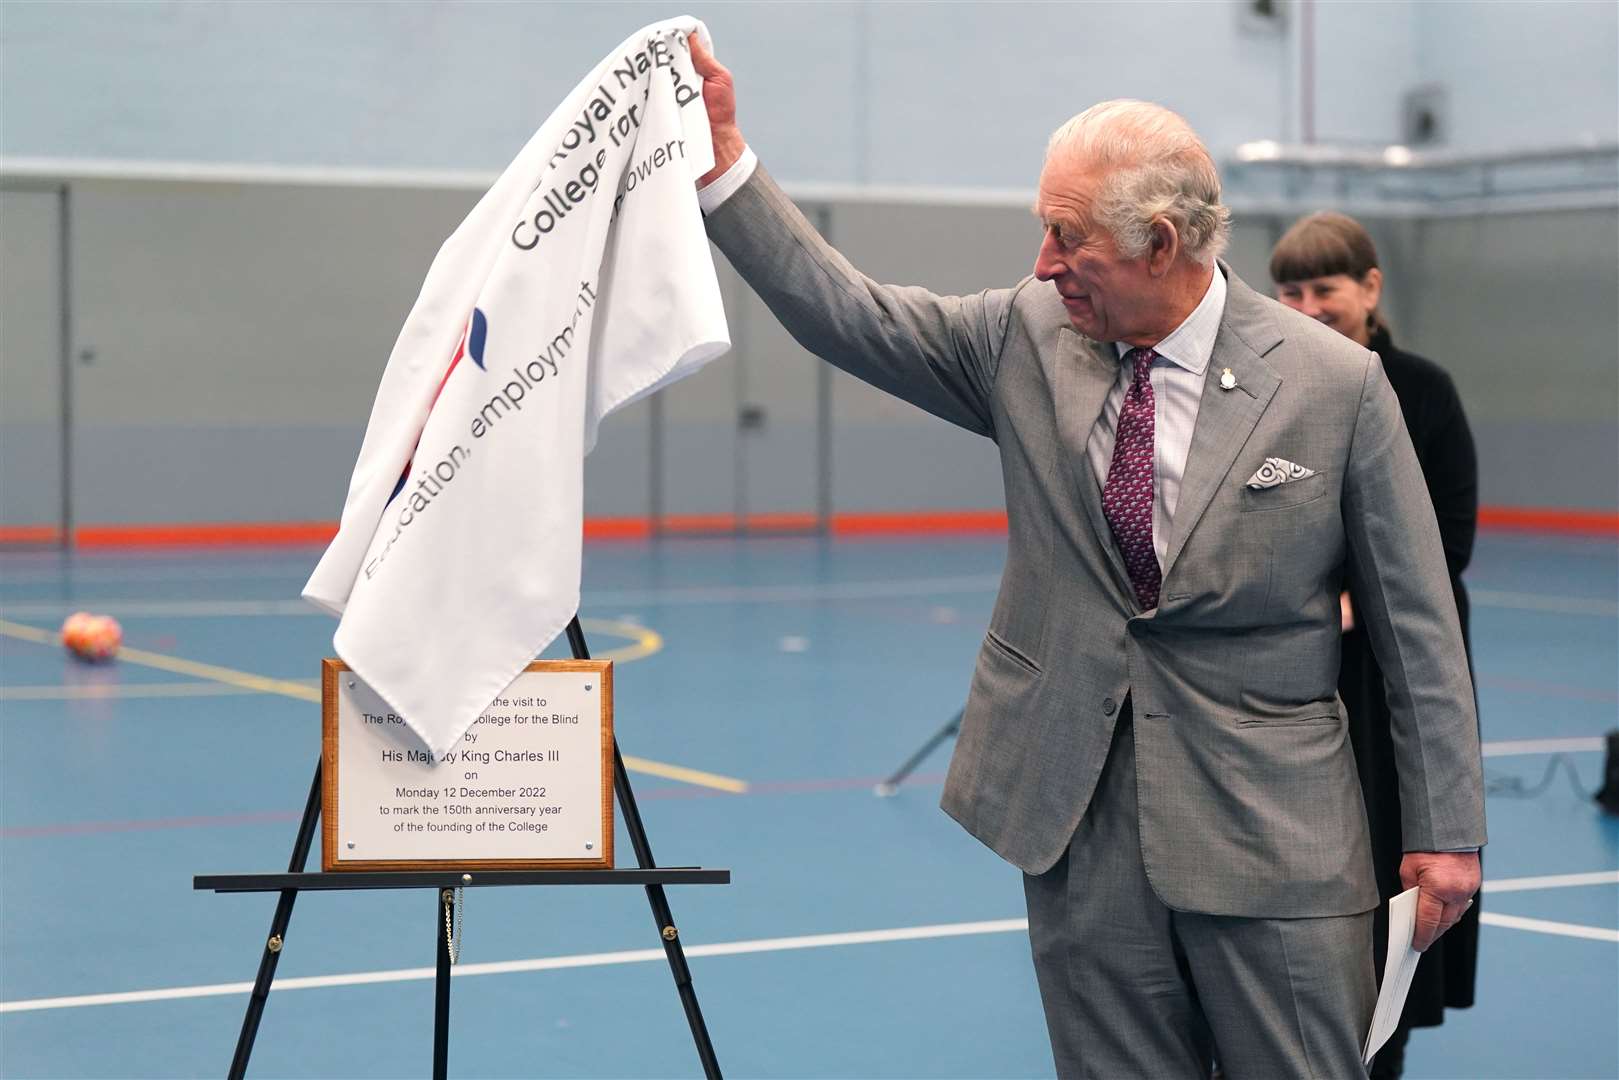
{"type": "Point", "coordinates": [1127, 495]}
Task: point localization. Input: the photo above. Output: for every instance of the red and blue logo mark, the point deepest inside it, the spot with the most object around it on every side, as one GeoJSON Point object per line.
{"type": "Point", "coordinates": [472, 342]}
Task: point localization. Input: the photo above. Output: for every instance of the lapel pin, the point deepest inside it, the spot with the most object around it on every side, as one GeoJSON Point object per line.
{"type": "Point", "coordinates": [1228, 381]}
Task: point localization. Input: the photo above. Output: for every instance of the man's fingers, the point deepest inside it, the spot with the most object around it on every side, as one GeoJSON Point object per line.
{"type": "Point", "coordinates": [1430, 921]}
{"type": "Point", "coordinates": [703, 60]}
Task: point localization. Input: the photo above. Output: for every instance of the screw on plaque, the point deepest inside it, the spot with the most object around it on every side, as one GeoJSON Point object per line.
{"type": "Point", "coordinates": [274, 944]}
{"type": "Point", "coordinates": [670, 933]}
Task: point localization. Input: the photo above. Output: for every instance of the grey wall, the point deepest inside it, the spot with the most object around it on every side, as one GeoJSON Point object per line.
{"type": "Point", "coordinates": [232, 333]}
{"type": "Point", "coordinates": [228, 339]}
{"type": "Point", "coordinates": [847, 92]}
{"type": "Point", "coordinates": [1524, 311]}
{"type": "Point", "coordinates": [1521, 72]}
{"type": "Point", "coordinates": [876, 92]}
{"type": "Point", "coordinates": [30, 354]}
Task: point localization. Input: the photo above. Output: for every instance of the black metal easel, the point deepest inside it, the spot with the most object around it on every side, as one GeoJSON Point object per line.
{"type": "Point", "coordinates": [295, 880]}
{"type": "Point", "coordinates": [949, 731]}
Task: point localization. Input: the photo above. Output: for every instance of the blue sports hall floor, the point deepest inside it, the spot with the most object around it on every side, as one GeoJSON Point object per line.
{"type": "Point", "coordinates": [861, 937]}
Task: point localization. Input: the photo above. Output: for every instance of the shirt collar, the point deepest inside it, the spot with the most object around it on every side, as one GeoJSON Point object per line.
{"type": "Point", "coordinates": [1191, 343]}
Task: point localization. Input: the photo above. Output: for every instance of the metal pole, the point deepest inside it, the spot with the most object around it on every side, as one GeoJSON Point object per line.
{"type": "Point", "coordinates": [654, 490]}
{"type": "Point", "coordinates": [823, 413]}
{"type": "Point", "coordinates": [1307, 71]}
{"type": "Point", "coordinates": [64, 227]}
{"type": "Point", "coordinates": [661, 915]}
{"type": "Point", "coordinates": [441, 987]}
{"type": "Point", "coordinates": [278, 933]}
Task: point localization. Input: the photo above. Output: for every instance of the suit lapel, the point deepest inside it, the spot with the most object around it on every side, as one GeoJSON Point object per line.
{"type": "Point", "coordinates": [1082, 376]}
{"type": "Point", "coordinates": [1225, 418]}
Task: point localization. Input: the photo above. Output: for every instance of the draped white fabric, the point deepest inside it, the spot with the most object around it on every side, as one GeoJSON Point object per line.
{"type": "Point", "coordinates": [581, 281]}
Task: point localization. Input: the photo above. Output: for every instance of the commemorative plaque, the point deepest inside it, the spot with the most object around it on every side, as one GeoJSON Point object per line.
{"type": "Point", "coordinates": [529, 786]}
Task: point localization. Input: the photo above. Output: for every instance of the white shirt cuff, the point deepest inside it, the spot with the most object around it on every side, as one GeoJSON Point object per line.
{"type": "Point", "coordinates": [711, 197]}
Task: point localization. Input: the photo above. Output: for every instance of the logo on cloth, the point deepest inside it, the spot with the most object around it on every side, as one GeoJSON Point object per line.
{"type": "Point", "coordinates": [434, 476]}
{"type": "Point", "coordinates": [471, 344]}
{"type": "Point", "coordinates": [472, 341]}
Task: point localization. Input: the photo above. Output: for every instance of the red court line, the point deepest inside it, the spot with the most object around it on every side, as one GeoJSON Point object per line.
{"type": "Point", "coordinates": [915, 522]}
{"type": "Point", "coordinates": [30, 534]}
{"type": "Point", "coordinates": [207, 534]}
{"type": "Point", "coordinates": [895, 523]}
{"type": "Point", "coordinates": [1549, 519]}
{"type": "Point", "coordinates": [619, 528]}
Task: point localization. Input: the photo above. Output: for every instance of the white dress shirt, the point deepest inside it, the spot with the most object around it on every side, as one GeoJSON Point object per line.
{"type": "Point", "coordinates": [726, 184]}
{"type": "Point", "coordinates": [1177, 389]}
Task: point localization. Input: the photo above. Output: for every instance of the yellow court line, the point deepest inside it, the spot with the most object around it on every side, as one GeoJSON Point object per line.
{"type": "Point", "coordinates": [685, 775]}
{"type": "Point", "coordinates": [179, 665]}
{"type": "Point", "coordinates": [644, 642]}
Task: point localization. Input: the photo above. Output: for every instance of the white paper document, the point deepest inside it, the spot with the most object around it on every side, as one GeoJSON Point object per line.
{"type": "Point", "coordinates": [1398, 968]}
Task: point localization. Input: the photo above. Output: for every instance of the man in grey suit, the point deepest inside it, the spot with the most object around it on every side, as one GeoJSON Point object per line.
{"type": "Point", "coordinates": [1153, 733]}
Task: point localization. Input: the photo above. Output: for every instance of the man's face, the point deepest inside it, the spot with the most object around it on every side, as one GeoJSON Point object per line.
{"type": "Point", "coordinates": [1108, 297]}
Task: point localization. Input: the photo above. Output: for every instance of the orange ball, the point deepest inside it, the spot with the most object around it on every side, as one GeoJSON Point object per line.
{"type": "Point", "coordinates": [92, 637]}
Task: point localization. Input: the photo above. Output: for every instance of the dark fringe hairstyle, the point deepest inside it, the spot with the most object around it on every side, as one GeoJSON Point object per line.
{"type": "Point", "coordinates": [1324, 244]}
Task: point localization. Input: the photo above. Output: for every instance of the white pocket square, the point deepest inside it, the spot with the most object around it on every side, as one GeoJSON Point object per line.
{"type": "Point", "coordinates": [1277, 471]}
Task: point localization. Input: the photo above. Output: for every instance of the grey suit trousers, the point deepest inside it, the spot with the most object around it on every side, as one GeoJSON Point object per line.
{"type": "Point", "coordinates": [1135, 990]}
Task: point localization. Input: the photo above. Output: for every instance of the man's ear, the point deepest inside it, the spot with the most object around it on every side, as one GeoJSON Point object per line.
{"type": "Point", "coordinates": [1163, 246]}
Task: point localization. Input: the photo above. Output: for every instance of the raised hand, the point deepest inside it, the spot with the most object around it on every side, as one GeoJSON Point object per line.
{"type": "Point", "coordinates": [719, 98]}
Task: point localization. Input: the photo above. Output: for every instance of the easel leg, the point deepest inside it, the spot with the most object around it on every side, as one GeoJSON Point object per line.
{"type": "Point", "coordinates": [278, 934]}
{"type": "Point", "coordinates": [949, 731]}
{"type": "Point", "coordinates": [661, 915]}
{"type": "Point", "coordinates": [441, 992]}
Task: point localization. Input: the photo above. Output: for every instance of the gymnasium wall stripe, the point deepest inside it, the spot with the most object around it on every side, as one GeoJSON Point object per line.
{"type": "Point", "coordinates": [898, 523]}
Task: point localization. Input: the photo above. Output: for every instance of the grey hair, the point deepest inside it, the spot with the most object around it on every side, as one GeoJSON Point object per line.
{"type": "Point", "coordinates": [1153, 166]}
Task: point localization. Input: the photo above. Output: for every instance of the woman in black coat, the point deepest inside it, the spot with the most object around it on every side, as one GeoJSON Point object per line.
{"type": "Point", "coordinates": [1326, 267]}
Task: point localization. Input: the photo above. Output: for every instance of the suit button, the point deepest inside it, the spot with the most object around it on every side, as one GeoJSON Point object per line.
{"type": "Point", "coordinates": [1108, 706]}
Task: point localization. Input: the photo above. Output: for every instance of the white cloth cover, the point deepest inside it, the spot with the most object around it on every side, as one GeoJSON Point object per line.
{"type": "Point", "coordinates": [581, 281]}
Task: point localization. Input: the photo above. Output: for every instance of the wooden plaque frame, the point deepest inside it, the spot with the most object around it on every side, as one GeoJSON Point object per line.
{"type": "Point", "coordinates": [332, 669]}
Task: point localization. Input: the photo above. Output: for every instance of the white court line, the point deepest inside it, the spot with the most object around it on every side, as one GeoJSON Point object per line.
{"type": "Point", "coordinates": [1561, 605]}
{"type": "Point", "coordinates": [549, 963]}
{"type": "Point", "coordinates": [1553, 881]}
{"type": "Point", "coordinates": [1545, 926]}
{"type": "Point", "coordinates": [761, 945]}
{"type": "Point", "coordinates": [1511, 747]}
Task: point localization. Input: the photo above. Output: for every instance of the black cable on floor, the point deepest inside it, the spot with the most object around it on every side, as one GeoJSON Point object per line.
{"type": "Point", "coordinates": [1514, 787]}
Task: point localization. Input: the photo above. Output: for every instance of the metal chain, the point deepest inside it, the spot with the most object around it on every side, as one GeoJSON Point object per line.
{"type": "Point", "coordinates": [457, 901]}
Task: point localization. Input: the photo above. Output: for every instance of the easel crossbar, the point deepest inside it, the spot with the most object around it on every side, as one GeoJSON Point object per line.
{"type": "Point", "coordinates": [241, 883]}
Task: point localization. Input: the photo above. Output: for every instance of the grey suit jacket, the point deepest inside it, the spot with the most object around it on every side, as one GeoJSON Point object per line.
{"type": "Point", "coordinates": [1249, 803]}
